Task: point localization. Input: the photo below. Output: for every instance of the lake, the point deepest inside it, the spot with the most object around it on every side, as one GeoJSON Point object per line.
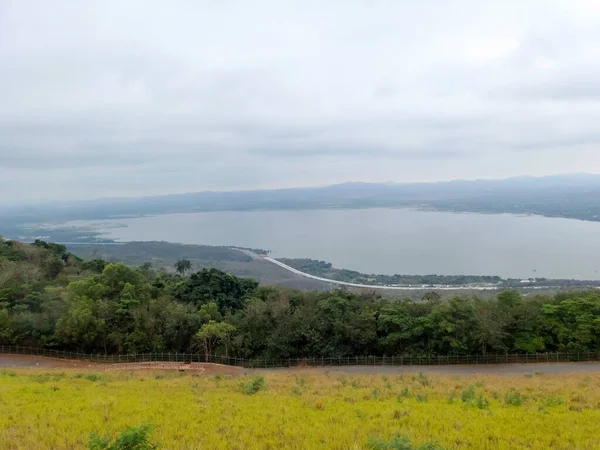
{"type": "Point", "coordinates": [388, 240]}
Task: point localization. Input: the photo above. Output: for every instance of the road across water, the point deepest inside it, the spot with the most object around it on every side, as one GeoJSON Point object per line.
{"type": "Point", "coordinates": [436, 287]}
{"type": "Point", "coordinates": [374, 286]}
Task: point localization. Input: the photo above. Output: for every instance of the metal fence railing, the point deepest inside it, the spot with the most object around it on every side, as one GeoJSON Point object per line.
{"type": "Point", "coordinates": [400, 360]}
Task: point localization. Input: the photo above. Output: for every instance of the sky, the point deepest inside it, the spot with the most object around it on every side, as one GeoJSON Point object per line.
{"type": "Point", "coordinates": [141, 97]}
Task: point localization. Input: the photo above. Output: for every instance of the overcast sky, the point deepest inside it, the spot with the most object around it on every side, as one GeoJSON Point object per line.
{"type": "Point", "coordinates": [127, 98]}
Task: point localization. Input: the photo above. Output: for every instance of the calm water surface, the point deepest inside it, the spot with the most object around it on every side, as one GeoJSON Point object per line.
{"type": "Point", "coordinates": [389, 240]}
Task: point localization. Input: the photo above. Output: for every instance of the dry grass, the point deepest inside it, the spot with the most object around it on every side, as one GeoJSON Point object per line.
{"type": "Point", "coordinates": [59, 409]}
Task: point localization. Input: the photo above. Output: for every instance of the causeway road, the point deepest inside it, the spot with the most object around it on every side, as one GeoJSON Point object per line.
{"type": "Point", "coordinates": [379, 286]}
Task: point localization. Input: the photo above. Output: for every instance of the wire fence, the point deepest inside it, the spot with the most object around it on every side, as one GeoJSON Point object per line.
{"type": "Point", "coordinates": [402, 360]}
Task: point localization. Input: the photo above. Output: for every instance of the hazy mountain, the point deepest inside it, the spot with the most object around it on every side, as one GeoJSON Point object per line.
{"type": "Point", "coordinates": [572, 195]}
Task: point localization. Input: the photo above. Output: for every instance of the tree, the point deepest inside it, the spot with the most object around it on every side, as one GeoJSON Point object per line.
{"type": "Point", "coordinates": [213, 332]}
{"type": "Point", "coordinates": [182, 266]}
{"type": "Point", "coordinates": [210, 311]}
{"type": "Point", "coordinates": [213, 285]}
{"type": "Point", "coordinates": [432, 297]}
{"type": "Point", "coordinates": [78, 327]}
{"type": "Point", "coordinates": [116, 276]}
{"type": "Point", "coordinates": [95, 265]}
{"type": "Point", "coordinates": [489, 324]}
{"type": "Point", "coordinates": [52, 267]}
{"type": "Point", "coordinates": [5, 326]}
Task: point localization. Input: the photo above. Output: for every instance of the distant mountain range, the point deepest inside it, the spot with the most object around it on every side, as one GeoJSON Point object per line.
{"type": "Point", "coordinates": [573, 196]}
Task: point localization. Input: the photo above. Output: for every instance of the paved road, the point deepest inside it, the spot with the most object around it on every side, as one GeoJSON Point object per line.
{"type": "Point", "coordinates": [247, 252]}
{"type": "Point", "coordinates": [370, 286]}
{"type": "Point", "coordinates": [436, 287]}
{"type": "Point", "coordinates": [26, 361]}
{"type": "Point", "coordinates": [32, 361]}
{"type": "Point", "coordinates": [481, 369]}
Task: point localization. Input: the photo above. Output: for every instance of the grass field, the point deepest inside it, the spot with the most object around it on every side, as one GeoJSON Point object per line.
{"type": "Point", "coordinates": [60, 409]}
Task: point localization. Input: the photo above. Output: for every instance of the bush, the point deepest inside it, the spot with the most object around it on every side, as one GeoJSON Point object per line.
{"type": "Point", "coordinates": [514, 398]}
{"type": "Point", "coordinates": [397, 443]}
{"type": "Point", "coordinates": [133, 438]}
{"type": "Point", "coordinates": [422, 398]}
{"type": "Point", "coordinates": [254, 385]}
{"type": "Point", "coordinates": [468, 395]}
{"type": "Point", "coordinates": [553, 401]}
{"type": "Point", "coordinates": [482, 403]}
{"type": "Point", "coordinates": [423, 379]}
{"type": "Point", "coordinates": [400, 443]}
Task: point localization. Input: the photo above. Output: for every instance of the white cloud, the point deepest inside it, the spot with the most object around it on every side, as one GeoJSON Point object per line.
{"type": "Point", "coordinates": [146, 97]}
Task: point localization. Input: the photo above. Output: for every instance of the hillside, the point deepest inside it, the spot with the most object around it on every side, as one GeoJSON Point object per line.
{"type": "Point", "coordinates": [163, 255]}
{"type": "Point", "coordinates": [52, 298]}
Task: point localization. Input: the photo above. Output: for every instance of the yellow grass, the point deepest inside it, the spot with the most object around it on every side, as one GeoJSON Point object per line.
{"type": "Point", "coordinates": [55, 409]}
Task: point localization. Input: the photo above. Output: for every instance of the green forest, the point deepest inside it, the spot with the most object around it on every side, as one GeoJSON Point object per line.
{"type": "Point", "coordinates": [53, 299]}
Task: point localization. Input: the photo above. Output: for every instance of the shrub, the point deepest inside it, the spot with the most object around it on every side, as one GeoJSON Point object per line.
{"type": "Point", "coordinates": [254, 385]}
{"type": "Point", "coordinates": [375, 394]}
{"type": "Point", "coordinates": [133, 438]}
{"type": "Point", "coordinates": [296, 391]}
{"type": "Point", "coordinates": [482, 403]}
{"type": "Point", "coordinates": [422, 398]}
{"type": "Point", "coordinates": [397, 443]}
{"type": "Point", "coordinates": [514, 398]}
{"type": "Point", "coordinates": [400, 443]}
{"type": "Point", "coordinates": [468, 395]}
{"type": "Point", "coordinates": [423, 379]}
{"type": "Point", "coordinates": [553, 401]}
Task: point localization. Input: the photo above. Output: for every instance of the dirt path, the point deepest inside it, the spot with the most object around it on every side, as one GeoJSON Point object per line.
{"type": "Point", "coordinates": [43, 362]}
{"type": "Point", "coordinates": [483, 369]}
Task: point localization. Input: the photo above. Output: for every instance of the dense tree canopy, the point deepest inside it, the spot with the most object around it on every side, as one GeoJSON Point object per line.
{"type": "Point", "coordinates": [50, 298]}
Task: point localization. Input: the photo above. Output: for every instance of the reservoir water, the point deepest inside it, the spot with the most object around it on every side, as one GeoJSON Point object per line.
{"type": "Point", "coordinates": [388, 240]}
